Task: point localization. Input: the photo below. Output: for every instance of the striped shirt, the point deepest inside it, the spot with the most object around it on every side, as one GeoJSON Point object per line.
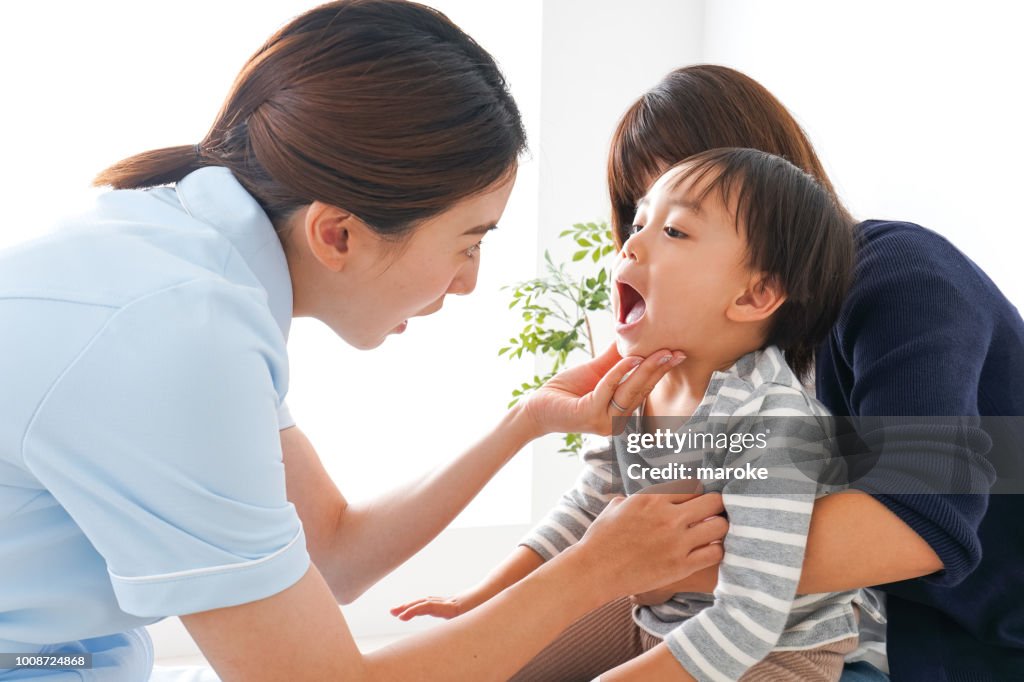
{"type": "Point", "coordinates": [762, 417]}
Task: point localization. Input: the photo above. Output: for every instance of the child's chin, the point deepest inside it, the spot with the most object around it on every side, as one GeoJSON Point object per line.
{"type": "Point", "coordinates": [627, 348]}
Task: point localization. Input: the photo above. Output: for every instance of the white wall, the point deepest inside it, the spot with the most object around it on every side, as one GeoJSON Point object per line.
{"type": "Point", "coordinates": [597, 57]}
{"type": "Point", "coordinates": [379, 418]}
{"type": "Point", "coordinates": [916, 107]}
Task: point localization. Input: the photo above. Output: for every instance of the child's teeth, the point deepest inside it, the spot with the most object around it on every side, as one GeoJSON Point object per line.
{"type": "Point", "coordinates": [636, 312]}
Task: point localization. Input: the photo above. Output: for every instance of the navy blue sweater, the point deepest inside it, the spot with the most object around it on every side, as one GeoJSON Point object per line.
{"type": "Point", "coordinates": [924, 332]}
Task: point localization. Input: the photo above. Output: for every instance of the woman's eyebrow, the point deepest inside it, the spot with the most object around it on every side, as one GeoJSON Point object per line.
{"type": "Point", "coordinates": [481, 229]}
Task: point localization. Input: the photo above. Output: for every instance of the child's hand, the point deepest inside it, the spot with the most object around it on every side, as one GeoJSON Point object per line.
{"type": "Point", "coordinates": [588, 397]}
{"type": "Point", "coordinates": [438, 607]}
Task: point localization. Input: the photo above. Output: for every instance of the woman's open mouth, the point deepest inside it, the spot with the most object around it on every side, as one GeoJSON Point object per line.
{"type": "Point", "coordinates": [631, 306]}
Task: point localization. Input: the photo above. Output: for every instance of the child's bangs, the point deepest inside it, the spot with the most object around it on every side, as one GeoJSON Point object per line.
{"type": "Point", "coordinates": [721, 172]}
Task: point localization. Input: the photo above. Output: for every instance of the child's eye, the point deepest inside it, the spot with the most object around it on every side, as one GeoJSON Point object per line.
{"type": "Point", "coordinates": [674, 233]}
{"type": "Point", "coordinates": [633, 229]}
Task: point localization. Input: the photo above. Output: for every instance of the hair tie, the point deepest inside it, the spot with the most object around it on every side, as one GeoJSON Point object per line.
{"type": "Point", "coordinates": [198, 151]}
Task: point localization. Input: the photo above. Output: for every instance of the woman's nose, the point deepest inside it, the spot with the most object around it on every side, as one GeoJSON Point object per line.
{"type": "Point", "coordinates": [465, 279]}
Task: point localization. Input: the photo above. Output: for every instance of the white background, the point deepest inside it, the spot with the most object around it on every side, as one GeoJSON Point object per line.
{"type": "Point", "coordinates": [915, 108]}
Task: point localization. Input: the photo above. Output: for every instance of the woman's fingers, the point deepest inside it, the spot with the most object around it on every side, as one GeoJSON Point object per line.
{"type": "Point", "coordinates": [697, 509]}
{"type": "Point", "coordinates": [606, 360]}
{"type": "Point", "coordinates": [605, 388]}
{"type": "Point", "coordinates": [708, 555]}
{"type": "Point", "coordinates": [627, 395]}
{"type": "Point", "coordinates": [706, 532]}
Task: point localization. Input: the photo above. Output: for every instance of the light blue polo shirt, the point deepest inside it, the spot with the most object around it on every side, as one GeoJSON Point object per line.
{"type": "Point", "coordinates": [143, 372]}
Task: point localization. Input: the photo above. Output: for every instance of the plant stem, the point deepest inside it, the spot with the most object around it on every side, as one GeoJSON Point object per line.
{"type": "Point", "coordinates": [590, 336]}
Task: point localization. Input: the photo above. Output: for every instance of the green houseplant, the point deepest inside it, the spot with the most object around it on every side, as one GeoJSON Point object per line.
{"type": "Point", "coordinates": [556, 309]}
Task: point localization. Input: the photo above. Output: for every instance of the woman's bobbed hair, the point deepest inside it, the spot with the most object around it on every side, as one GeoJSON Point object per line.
{"type": "Point", "coordinates": [692, 110]}
{"type": "Point", "coordinates": [384, 108]}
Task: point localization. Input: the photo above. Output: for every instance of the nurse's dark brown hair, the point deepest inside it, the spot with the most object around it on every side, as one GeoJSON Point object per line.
{"type": "Point", "coordinates": [692, 110]}
{"type": "Point", "coordinates": [382, 107]}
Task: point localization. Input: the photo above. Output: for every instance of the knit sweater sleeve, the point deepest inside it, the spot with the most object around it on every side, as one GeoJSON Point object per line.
{"type": "Point", "coordinates": [915, 331]}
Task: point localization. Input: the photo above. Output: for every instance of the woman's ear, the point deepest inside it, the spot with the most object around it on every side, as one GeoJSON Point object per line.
{"type": "Point", "coordinates": [762, 297]}
{"type": "Point", "coordinates": [332, 234]}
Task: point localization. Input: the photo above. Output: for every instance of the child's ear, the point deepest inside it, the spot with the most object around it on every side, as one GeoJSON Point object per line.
{"type": "Point", "coordinates": [762, 297]}
{"type": "Point", "coordinates": [332, 234]}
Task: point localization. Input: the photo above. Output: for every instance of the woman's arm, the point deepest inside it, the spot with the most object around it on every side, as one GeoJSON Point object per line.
{"type": "Point", "coordinates": [354, 546]}
{"type": "Point", "coordinates": [598, 483]}
{"type": "Point", "coordinates": [300, 634]}
{"type": "Point", "coordinates": [844, 546]}
{"type": "Point", "coordinates": [656, 664]}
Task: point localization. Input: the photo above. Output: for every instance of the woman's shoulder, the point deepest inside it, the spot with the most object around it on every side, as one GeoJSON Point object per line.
{"type": "Point", "coordinates": [903, 238]}
{"type": "Point", "coordinates": [900, 259]}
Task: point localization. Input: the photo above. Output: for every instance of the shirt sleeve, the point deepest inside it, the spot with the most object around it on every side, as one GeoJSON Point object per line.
{"type": "Point", "coordinates": [764, 550]}
{"type": "Point", "coordinates": [284, 417]}
{"type": "Point", "coordinates": [915, 330]}
{"type": "Point", "coordinates": [565, 525]}
{"type": "Point", "coordinates": [161, 442]}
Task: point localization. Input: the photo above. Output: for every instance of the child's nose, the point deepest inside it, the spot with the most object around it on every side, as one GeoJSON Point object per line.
{"type": "Point", "coordinates": [631, 249]}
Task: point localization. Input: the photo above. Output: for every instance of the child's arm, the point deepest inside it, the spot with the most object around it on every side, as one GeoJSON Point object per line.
{"type": "Point", "coordinates": [563, 527]}
{"type": "Point", "coordinates": [520, 563]}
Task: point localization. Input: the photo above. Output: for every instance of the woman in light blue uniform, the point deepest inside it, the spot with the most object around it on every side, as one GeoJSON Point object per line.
{"type": "Point", "coordinates": [148, 464]}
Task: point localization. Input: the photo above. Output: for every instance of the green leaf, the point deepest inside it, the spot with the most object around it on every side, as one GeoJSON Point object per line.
{"type": "Point", "coordinates": [578, 256]}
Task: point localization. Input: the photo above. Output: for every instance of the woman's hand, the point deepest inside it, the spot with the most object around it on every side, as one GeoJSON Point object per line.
{"type": "Point", "coordinates": [648, 541]}
{"type": "Point", "coordinates": [655, 597]}
{"type": "Point", "coordinates": [703, 580]}
{"type": "Point", "coordinates": [588, 397]}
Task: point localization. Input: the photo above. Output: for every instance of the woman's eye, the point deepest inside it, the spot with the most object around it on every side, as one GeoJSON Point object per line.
{"type": "Point", "coordinates": [674, 233]}
{"type": "Point", "coordinates": [475, 249]}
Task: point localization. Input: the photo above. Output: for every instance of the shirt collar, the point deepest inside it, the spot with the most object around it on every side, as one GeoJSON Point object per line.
{"type": "Point", "coordinates": [214, 196]}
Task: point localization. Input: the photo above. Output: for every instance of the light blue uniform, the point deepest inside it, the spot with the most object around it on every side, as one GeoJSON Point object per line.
{"type": "Point", "coordinates": [143, 372]}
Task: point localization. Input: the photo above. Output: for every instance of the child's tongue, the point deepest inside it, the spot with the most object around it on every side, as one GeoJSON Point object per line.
{"type": "Point", "coordinates": [636, 312]}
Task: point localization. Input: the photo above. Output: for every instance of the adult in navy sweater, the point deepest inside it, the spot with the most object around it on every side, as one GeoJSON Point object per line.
{"type": "Point", "coordinates": [923, 333]}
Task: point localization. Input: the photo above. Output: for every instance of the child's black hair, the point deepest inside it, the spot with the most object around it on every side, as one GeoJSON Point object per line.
{"type": "Point", "coordinates": [796, 234]}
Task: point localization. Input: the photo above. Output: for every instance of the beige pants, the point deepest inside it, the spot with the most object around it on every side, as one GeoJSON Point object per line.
{"type": "Point", "coordinates": [608, 637]}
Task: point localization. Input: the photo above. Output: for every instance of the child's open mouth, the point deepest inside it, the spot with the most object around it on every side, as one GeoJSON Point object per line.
{"type": "Point", "coordinates": [631, 306]}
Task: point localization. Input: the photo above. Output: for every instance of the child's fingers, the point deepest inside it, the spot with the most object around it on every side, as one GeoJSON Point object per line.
{"type": "Point", "coordinates": [414, 604]}
{"type": "Point", "coordinates": [422, 609]}
{"type": "Point", "coordinates": [395, 610]}
{"type": "Point", "coordinates": [431, 606]}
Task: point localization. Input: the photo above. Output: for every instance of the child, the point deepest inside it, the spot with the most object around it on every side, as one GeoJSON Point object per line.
{"type": "Point", "coordinates": [741, 260]}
